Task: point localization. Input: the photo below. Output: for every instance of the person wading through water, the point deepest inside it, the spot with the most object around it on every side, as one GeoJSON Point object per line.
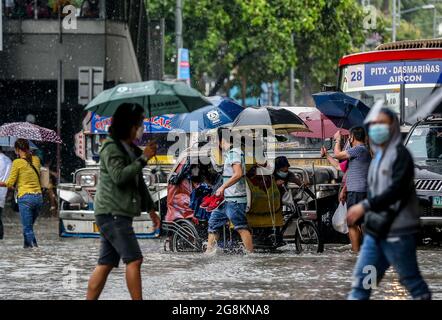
{"type": "Point", "coordinates": [233, 190]}
{"type": "Point", "coordinates": [25, 177]}
{"type": "Point", "coordinates": [355, 189]}
{"type": "Point", "coordinates": [122, 195]}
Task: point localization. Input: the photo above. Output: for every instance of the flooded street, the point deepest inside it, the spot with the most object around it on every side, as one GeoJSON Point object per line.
{"type": "Point", "coordinates": [60, 268]}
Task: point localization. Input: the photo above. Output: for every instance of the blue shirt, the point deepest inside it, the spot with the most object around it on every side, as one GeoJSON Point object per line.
{"type": "Point", "coordinates": [358, 165]}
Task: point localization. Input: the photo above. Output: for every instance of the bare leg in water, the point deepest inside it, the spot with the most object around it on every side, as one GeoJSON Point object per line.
{"type": "Point", "coordinates": [355, 235]}
{"type": "Point", "coordinates": [98, 279]}
{"type": "Point", "coordinates": [133, 279]}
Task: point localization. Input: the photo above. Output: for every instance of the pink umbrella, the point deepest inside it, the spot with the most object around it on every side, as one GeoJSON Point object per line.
{"type": "Point", "coordinates": [29, 131]}
{"type": "Point", "coordinates": [320, 126]}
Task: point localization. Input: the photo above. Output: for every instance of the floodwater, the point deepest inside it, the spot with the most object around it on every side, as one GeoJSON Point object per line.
{"type": "Point", "coordinates": [60, 268]}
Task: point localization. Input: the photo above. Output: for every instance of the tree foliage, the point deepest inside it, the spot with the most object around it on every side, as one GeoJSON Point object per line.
{"type": "Point", "coordinates": [250, 41]}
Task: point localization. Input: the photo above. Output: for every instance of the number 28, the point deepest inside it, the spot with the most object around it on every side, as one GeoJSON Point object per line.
{"type": "Point", "coordinates": [356, 76]}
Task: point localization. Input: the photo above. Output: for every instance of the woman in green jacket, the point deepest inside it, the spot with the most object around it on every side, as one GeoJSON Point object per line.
{"type": "Point", "coordinates": [122, 195]}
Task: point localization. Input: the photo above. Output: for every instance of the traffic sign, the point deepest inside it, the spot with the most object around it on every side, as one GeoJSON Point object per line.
{"type": "Point", "coordinates": [90, 83]}
{"type": "Point", "coordinates": [183, 72]}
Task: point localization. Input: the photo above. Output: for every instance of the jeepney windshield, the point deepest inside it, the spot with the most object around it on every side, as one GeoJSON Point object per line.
{"type": "Point", "coordinates": [159, 138]}
{"type": "Point", "coordinates": [293, 143]}
{"type": "Point", "coordinates": [425, 142]}
{"type": "Point", "coordinates": [385, 80]}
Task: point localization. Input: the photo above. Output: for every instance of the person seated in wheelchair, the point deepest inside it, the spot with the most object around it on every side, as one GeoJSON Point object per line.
{"type": "Point", "coordinates": [233, 189]}
{"type": "Point", "coordinates": [283, 176]}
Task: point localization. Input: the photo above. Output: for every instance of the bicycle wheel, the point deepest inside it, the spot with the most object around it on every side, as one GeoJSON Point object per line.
{"type": "Point", "coordinates": [307, 238]}
{"type": "Point", "coordinates": [187, 239]}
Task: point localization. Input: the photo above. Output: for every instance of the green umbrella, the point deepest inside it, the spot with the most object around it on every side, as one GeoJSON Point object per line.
{"type": "Point", "coordinates": [157, 98]}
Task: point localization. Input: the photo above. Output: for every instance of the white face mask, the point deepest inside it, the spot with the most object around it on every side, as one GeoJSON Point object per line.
{"type": "Point", "coordinates": [195, 172]}
{"type": "Point", "coordinates": [140, 133]}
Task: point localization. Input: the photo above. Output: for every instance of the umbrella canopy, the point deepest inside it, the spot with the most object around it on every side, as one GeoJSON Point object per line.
{"type": "Point", "coordinates": [223, 111]}
{"type": "Point", "coordinates": [29, 131]}
{"type": "Point", "coordinates": [344, 111]}
{"type": "Point", "coordinates": [280, 119]}
{"type": "Point", "coordinates": [9, 142]}
{"type": "Point", "coordinates": [320, 126]}
{"type": "Point", "coordinates": [156, 97]}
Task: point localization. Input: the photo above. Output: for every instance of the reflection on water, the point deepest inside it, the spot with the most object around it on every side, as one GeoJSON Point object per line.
{"type": "Point", "coordinates": [60, 268]}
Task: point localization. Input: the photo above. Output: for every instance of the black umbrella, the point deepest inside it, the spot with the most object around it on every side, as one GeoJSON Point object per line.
{"type": "Point", "coordinates": [280, 119]}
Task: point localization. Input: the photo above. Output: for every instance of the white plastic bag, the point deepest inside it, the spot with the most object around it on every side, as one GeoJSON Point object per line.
{"type": "Point", "coordinates": [339, 219]}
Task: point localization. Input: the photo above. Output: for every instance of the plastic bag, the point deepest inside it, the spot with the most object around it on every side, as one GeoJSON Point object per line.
{"type": "Point", "coordinates": [339, 219]}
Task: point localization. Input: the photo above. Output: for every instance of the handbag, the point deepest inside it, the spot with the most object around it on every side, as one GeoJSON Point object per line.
{"type": "Point", "coordinates": [36, 172]}
{"type": "Point", "coordinates": [14, 205]}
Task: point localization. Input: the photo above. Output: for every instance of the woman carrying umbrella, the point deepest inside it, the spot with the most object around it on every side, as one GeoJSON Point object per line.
{"type": "Point", "coordinates": [121, 196]}
{"type": "Point", "coordinates": [26, 178]}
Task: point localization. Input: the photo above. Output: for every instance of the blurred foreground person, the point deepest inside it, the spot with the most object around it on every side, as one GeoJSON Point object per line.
{"type": "Point", "coordinates": [25, 177]}
{"type": "Point", "coordinates": [121, 196]}
{"type": "Point", "coordinates": [391, 214]}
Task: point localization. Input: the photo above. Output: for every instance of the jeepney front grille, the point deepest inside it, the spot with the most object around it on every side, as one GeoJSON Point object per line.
{"type": "Point", "coordinates": [428, 211]}
{"type": "Point", "coordinates": [428, 185]}
{"type": "Point", "coordinates": [91, 193]}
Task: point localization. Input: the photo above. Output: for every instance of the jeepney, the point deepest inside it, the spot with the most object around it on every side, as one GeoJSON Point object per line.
{"type": "Point", "coordinates": [76, 199]}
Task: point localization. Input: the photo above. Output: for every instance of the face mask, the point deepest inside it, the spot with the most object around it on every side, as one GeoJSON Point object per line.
{"type": "Point", "coordinates": [379, 133]}
{"type": "Point", "coordinates": [140, 133]}
{"type": "Point", "coordinates": [282, 174]}
{"type": "Point", "coordinates": [195, 172]}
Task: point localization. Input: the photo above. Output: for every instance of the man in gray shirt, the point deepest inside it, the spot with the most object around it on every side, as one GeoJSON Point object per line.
{"type": "Point", "coordinates": [355, 188]}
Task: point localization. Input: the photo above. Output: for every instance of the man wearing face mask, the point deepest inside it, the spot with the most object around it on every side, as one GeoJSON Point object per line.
{"type": "Point", "coordinates": [355, 189]}
{"type": "Point", "coordinates": [391, 214]}
{"type": "Point", "coordinates": [283, 176]}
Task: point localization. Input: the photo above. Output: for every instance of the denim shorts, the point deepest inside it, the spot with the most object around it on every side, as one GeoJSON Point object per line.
{"type": "Point", "coordinates": [118, 240]}
{"type": "Point", "coordinates": [353, 198]}
{"type": "Point", "coordinates": [229, 210]}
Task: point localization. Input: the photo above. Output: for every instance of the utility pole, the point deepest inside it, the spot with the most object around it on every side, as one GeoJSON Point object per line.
{"type": "Point", "coordinates": [393, 28]}
{"type": "Point", "coordinates": [60, 99]}
{"type": "Point", "coordinates": [179, 24]}
{"type": "Point", "coordinates": [292, 81]}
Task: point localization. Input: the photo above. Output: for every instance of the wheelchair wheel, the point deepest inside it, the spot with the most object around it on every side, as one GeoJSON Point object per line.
{"type": "Point", "coordinates": [186, 238]}
{"type": "Point", "coordinates": [307, 238]}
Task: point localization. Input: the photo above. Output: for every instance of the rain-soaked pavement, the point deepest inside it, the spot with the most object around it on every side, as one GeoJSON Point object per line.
{"type": "Point", "coordinates": [59, 269]}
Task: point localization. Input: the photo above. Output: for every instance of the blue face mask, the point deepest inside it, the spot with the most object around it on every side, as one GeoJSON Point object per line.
{"type": "Point", "coordinates": [379, 133]}
{"type": "Point", "coordinates": [282, 174]}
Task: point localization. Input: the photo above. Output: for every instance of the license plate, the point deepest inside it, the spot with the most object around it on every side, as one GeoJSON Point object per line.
{"type": "Point", "coordinates": [96, 229]}
{"type": "Point", "coordinates": [437, 202]}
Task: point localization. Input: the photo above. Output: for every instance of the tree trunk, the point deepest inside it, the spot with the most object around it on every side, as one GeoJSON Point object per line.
{"type": "Point", "coordinates": [243, 90]}
{"type": "Point", "coordinates": [218, 83]}
{"type": "Point", "coordinates": [306, 90]}
{"type": "Point", "coordinates": [386, 7]}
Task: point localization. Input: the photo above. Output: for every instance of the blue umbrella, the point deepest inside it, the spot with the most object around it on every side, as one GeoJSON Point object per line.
{"type": "Point", "coordinates": [344, 111]}
{"type": "Point", "coordinates": [223, 111]}
{"type": "Point", "coordinates": [10, 141]}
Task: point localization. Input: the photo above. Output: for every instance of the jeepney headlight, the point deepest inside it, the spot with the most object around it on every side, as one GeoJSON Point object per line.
{"type": "Point", "coordinates": [87, 180]}
{"type": "Point", "coordinates": [149, 179]}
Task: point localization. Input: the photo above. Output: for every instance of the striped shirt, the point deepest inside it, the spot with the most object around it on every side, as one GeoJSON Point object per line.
{"type": "Point", "coordinates": [357, 173]}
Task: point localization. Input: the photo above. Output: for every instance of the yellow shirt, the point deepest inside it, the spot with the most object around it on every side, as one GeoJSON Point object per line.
{"type": "Point", "coordinates": [24, 177]}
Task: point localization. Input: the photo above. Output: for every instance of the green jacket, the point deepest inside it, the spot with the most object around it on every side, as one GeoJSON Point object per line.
{"type": "Point", "coordinates": [121, 188]}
